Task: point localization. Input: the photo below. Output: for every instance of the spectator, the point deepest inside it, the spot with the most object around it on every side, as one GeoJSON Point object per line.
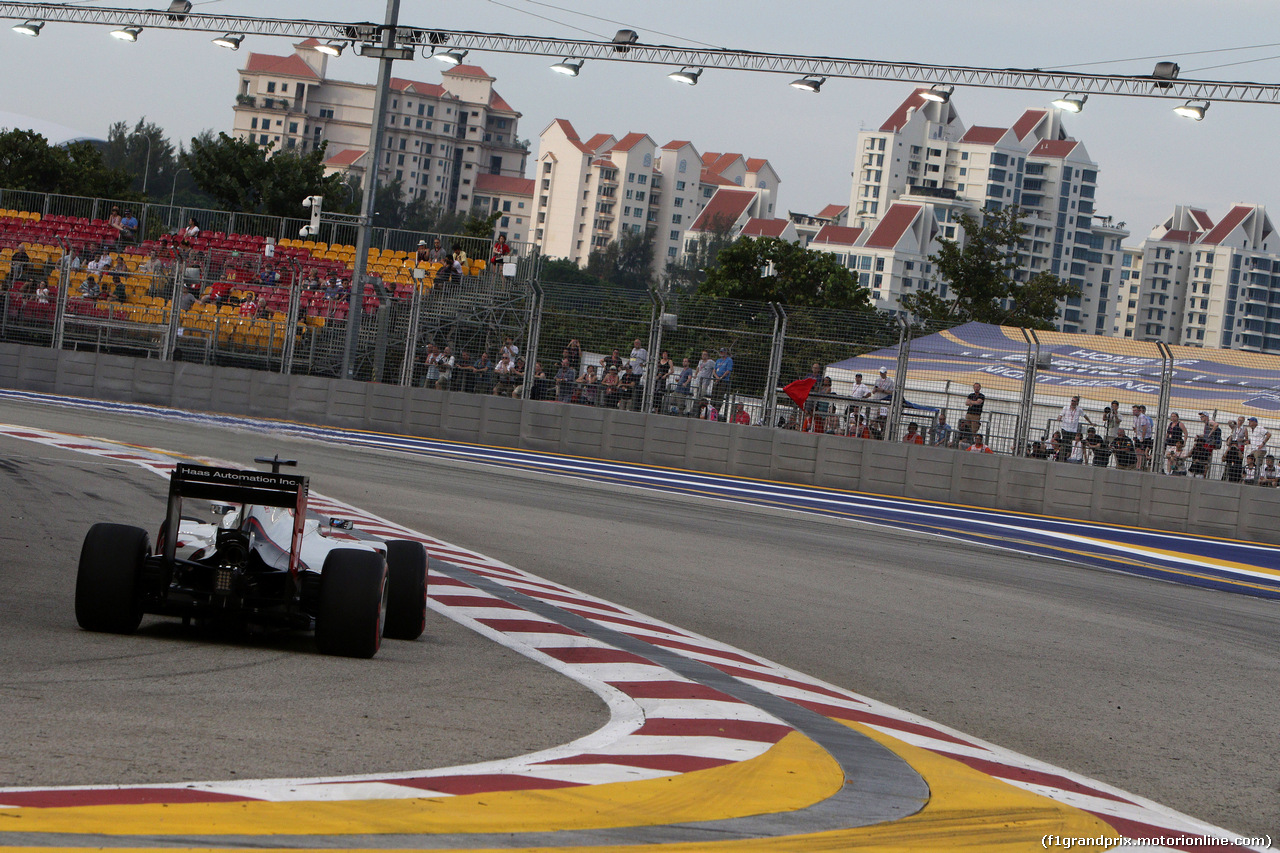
{"type": "Point", "coordinates": [707, 410]}
{"type": "Point", "coordinates": [575, 355]}
{"type": "Point", "coordinates": [1201, 455]}
{"type": "Point", "coordinates": [610, 386]}
{"type": "Point", "coordinates": [89, 289]}
{"type": "Point", "coordinates": [1174, 432]}
{"type": "Point", "coordinates": [464, 374]}
{"type": "Point", "coordinates": [1124, 449]}
{"type": "Point", "coordinates": [1267, 474]}
{"type": "Point", "coordinates": [1111, 420]}
{"type": "Point", "coordinates": [683, 390]}
{"type": "Point", "coordinates": [424, 252]}
{"type": "Point", "coordinates": [501, 251]}
{"type": "Point", "coordinates": [1143, 438]}
{"type": "Point", "coordinates": [445, 365]}
{"type": "Point", "coordinates": [1075, 456]}
{"type": "Point", "coordinates": [42, 292]}
{"type": "Point", "coordinates": [638, 359]}
{"type": "Point", "coordinates": [432, 362]}
{"type": "Point", "coordinates": [972, 420]}
{"type": "Point", "coordinates": [1258, 438]}
{"type": "Point", "coordinates": [190, 232]}
{"type": "Point", "coordinates": [1070, 418]}
{"type": "Point", "coordinates": [740, 415]}
{"type": "Point", "coordinates": [460, 259]}
{"type": "Point", "coordinates": [978, 446]}
{"type": "Point", "coordinates": [1212, 433]}
{"type": "Point", "coordinates": [566, 377]}
{"type": "Point", "coordinates": [1233, 463]}
{"type": "Point", "coordinates": [18, 263]}
{"type": "Point", "coordinates": [1240, 432]}
{"type": "Point", "coordinates": [824, 410]}
{"type": "Point", "coordinates": [115, 221]}
{"type": "Point", "coordinates": [628, 388]}
{"type": "Point", "coordinates": [129, 227]}
{"type": "Point", "coordinates": [913, 435]}
{"type": "Point", "coordinates": [1037, 450]}
{"type": "Point", "coordinates": [482, 370]}
{"type": "Point", "coordinates": [509, 349]}
{"type": "Point", "coordinates": [941, 436]}
{"type": "Point", "coordinates": [249, 305]}
{"type": "Point", "coordinates": [722, 373]}
{"type": "Point", "coordinates": [703, 376]}
{"type": "Point", "coordinates": [1177, 458]}
{"type": "Point", "coordinates": [588, 386]}
{"type": "Point", "coordinates": [1099, 447]}
{"type": "Point", "coordinates": [859, 427]}
{"type": "Point", "coordinates": [437, 253]}
{"type": "Point", "coordinates": [1250, 471]}
{"type": "Point", "coordinates": [539, 386]}
{"type": "Point", "coordinates": [614, 360]}
{"type": "Point", "coordinates": [505, 376]}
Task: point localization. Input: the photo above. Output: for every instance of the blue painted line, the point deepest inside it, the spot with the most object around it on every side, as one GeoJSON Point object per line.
{"type": "Point", "coordinates": [1223, 564]}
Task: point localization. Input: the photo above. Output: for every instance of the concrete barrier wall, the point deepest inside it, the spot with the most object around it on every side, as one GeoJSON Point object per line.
{"type": "Point", "coordinates": [1177, 504]}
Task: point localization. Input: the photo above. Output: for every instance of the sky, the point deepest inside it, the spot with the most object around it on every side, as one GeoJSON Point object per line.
{"type": "Point", "coordinates": [1149, 159]}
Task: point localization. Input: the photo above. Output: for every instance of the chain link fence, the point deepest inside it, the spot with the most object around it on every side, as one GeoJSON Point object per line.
{"type": "Point", "coordinates": [67, 280]}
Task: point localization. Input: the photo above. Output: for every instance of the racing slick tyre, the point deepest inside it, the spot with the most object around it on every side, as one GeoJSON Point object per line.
{"type": "Point", "coordinates": [353, 603]}
{"type": "Point", "coordinates": [407, 602]}
{"type": "Point", "coordinates": [107, 594]}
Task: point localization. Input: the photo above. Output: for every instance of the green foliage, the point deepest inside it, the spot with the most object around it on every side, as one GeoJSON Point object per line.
{"type": "Point", "coordinates": [690, 272]}
{"type": "Point", "coordinates": [391, 210]}
{"type": "Point", "coordinates": [480, 226]}
{"type": "Point", "coordinates": [29, 162]}
{"type": "Point", "coordinates": [981, 283]}
{"type": "Point", "coordinates": [565, 271]}
{"type": "Point", "coordinates": [625, 262]}
{"type": "Point", "coordinates": [773, 270]}
{"type": "Point", "coordinates": [247, 178]}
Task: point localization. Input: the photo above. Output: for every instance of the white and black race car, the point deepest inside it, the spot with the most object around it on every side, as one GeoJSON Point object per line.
{"type": "Point", "coordinates": [256, 558]}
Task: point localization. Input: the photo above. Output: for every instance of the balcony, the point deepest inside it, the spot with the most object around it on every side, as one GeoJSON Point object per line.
{"type": "Point", "coordinates": [246, 101]}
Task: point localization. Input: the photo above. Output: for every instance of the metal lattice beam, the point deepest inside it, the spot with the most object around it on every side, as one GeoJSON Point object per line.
{"type": "Point", "coordinates": [720, 58]}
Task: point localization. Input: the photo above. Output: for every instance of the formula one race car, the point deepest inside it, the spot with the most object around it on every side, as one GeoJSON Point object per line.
{"type": "Point", "coordinates": [257, 558]}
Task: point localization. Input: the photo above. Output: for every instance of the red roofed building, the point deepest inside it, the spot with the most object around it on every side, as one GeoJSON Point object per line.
{"type": "Point", "coordinates": [1211, 285]}
{"type": "Point", "coordinates": [781, 229]}
{"type": "Point", "coordinates": [607, 189]}
{"type": "Point", "coordinates": [924, 156]}
{"type": "Point", "coordinates": [440, 137]}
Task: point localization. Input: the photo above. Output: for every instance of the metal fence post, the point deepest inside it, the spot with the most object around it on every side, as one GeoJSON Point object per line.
{"type": "Point", "coordinates": [900, 379]}
{"type": "Point", "coordinates": [531, 344]}
{"type": "Point", "coordinates": [411, 337]}
{"type": "Point", "coordinates": [291, 325]}
{"type": "Point", "coordinates": [1166, 395]}
{"type": "Point", "coordinates": [1027, 402]}
{"type": "Point", "coordinates": [170, 345]}
{"type": "Point", "coordinates": [775, 362]}
{"type": "Point", "coordinates": [60, 304]}
{"type": "Point", "coordinates": [655, 344]}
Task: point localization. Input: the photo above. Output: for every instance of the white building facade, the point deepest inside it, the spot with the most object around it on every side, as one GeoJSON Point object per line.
{"type": "Point", "coordinates": [439, 137]}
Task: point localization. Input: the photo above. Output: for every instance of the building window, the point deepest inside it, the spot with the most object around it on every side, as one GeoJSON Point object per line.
{"type": "Point", "coordinates": [271, 86]}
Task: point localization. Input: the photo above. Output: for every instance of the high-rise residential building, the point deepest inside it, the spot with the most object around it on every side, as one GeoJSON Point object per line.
{"type": "Point", "coordinates": [1125, 311]}
{"type": "Point", "coordinates": [440, 137]}
{"type": "Point", "coordinates": [594, 192]}
{"type": "Point", "coordinates": [1212, 284]}
{"type": "Point", "coordinates": [923, 163]}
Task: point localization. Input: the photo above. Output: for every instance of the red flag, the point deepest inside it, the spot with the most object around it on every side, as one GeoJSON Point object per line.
{"type": "Point", "coordinates": [799, 390]}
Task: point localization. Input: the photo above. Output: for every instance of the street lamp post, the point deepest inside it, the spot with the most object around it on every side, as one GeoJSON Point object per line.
{"type": "Point", "coordinates": [146, 170]}
{"type": "Point", "coordinates": [355, 307]}
{"type": "Point", "coordinates": [173, 190]}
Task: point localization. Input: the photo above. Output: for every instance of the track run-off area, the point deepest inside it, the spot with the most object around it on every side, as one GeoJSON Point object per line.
{"type": "Point", "coordinates": [706, 744]}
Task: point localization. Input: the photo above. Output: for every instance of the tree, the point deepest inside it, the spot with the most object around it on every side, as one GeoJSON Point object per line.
{"type": "Point", "coordinates": [700, 255]}
{"type": "Point", "coordinates": [145, 153]}
{"type": "Point", "coordinates": [29, 162]}
{"type": "Point", "coordinates": [625, 262]}
{"type": "Point", "coordinates": [480, 225]}
{"type": "Point", "coordinates": [248, 178]}
{"type": "Point", "coordinates": [980, 279]}
{"type": "Point", "coordinates": [773, 270]}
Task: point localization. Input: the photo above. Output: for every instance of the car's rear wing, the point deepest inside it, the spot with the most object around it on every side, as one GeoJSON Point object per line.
{"type": "Point", "coordinates": [232, 485]}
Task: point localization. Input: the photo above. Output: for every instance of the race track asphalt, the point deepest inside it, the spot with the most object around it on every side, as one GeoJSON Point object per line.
{"type": "Point", "coordinates": [1167, 691]}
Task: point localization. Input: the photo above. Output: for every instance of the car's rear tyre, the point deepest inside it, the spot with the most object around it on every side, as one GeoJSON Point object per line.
{"type": "Point", "coordinates": [353, 603]}
{"type": "Point", "coordinates": [407, 602]}
{"type": "Point", "coordinates": [107, 593]}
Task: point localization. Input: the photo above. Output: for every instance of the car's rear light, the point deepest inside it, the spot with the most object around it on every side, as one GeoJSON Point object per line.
{"type": "Point", "coordinates": [222, 581]}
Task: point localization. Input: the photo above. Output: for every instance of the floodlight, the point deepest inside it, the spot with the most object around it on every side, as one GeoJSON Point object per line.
{"type": "Point", "coordinates": [569, 66]}
{"type": "Point", "coordinates": [29, 28]}
{"type": "Point", "coordinates": [129, 33]}
{"type": "Point", "coordinates": [1193, 110]}
{"type": "Point", "coordinates": [452, 57]}
{"type": "Point", "coordinates": [940, 93]}
{"type": "Point", "coordinates": [808, 83]}
{"type": "Point", "coordinates": [686, 75]}
{"type": "Point", "coordinates": [1071, 102]}
{"type": "Point", "coordinates": [231, 41]}
{"type": "Point", "coordinates": [333, 48]}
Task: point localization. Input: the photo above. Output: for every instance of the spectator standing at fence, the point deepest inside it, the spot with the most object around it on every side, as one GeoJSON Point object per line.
{"type": "Point", "coordinates": [18, 263]}
{"type": "Point", "coordinates": [883, 393]}
{"type": "Point", "coordinates": [504, 376]}
{"type": "Point", "coordinates": [1233, 463]}
{"type": "Point", "coordinates": [629, 388]}
{"type": "Point", "coordinates": [1178, 458]}
{"type": "Point", "coordinates": [1211, 432]}
{"type": "Point", "coordinates": [501, 251]}
{"type": "Point", "coordinates": [740, 415]}
{"type": "Point", "coordinates": [941, 436]}
{"type": "Point", "coordinates": [42, 293]}
{"type": "Point", "coordinates": [432, 363]}
{"type": "Point", "coordinates": [1250, 471]}
{"type": "Point", "coordinates": [509, 349]}
{"type": "Point", "coordinates": [638, 359]}
{"type": "Point", "coordinates": [1111, 420]}
{"type": "Point", "coordinates": [702, 376]}
{"type": "Point", "coordinates": [1123, 448]}
{"type": "Point", "coordinates": [588, 386]}
{"type": "Point", "coordinates": [1258, 438]}
{"type": "Point", "coordinates": [482, 368]}
{"type": "Point", "coordinates": [974, 404]}
{"type": "Point", "coordinates": [1174, 432]}
{"type": "Point", "coordinates": [1143, 437]}
{"type": "Point", "coordinates": [575, 355]}
{"type": "Point", "coordinates": [1070, 418]}
{"type": "Point", "coordinates": [444, 365]}
{"type": "Point", "coordinates": [913, 435]}
{"type": "Point", "coordinates": [1268, 475]}
{"type": "Point", "coordinates": [723, 373]}
{"type": "Point", "coordinates": [565, 379]}
{"type": "Point", "coordinates": [1099, 448]}
{"type": "Point", "coordinates": [707, 410]}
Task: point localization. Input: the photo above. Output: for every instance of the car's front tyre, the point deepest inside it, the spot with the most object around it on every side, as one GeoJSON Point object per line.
{"type": "Point", "coordinates": [353, 603]}
{"type": "Point", "coordinates": [107, 589]}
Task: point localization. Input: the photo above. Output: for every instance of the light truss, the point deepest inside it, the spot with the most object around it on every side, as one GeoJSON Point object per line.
{"type": "Point", "coordinates": [1033, 79]}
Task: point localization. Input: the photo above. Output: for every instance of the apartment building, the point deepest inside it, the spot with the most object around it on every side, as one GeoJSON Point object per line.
{"type": "Point", "coordinates": [1212, 284]}
{"type": "Point", "coordinates": [1125, 311]}
{"type": "Point", "coordinates": [440, 137]}
{"type": "Point", "coordinates": [924, 162]}
{"type": "Point", "coordinates": [596, 191]}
